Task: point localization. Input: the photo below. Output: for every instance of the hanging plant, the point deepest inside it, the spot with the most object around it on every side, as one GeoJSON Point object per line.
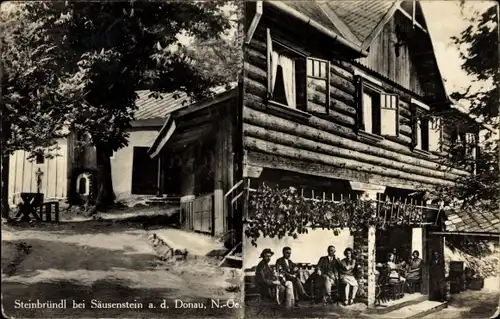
{"type": "Point", "coordinates": [278, 212]}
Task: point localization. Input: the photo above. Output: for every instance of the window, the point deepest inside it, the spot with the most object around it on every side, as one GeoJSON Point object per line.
{"type": "Point", "coordinates": [422, 135]}
{"type": "Point", "coordinates": [318, 84]}
{"type": "Point", "coordinates": [286, 73]}
{"type": "Point", "coordinates": [378, 111]}
{"type": "Point", "coordinates": [470, 145]}
{"type": "Point", "coordinates": [40, 159]}
{"type": "Point", "coordinates": [435, 134]}
{"type": "Point", "coordinates": [471, 150]}
{"type": "Point", "coordinates": [427, 131]}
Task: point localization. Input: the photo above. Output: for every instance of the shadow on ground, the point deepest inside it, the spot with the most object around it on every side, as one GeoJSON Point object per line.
{"type": "Point", "coordinates": [68, 256]}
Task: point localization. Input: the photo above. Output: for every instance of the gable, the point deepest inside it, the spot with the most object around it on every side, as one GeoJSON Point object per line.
{"type": "Point", "coordinates": [405, 57]}
{"type": "Point", "coordinates": [361, 17]}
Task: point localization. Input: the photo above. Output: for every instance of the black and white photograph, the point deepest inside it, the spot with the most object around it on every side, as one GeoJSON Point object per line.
{"type": "Point", "coordinates": [250, 159]}
{"type": "Point", "coordinates": [370, 140]}
{"type": "Point", "coordinates": [118, 159]}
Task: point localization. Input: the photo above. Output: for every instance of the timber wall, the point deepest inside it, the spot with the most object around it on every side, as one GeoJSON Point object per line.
{"type": "Point", "coordinates": [327, 144]}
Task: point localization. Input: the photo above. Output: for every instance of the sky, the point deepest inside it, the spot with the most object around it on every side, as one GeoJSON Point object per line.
{"type": "Point", "coordinates": [444, 20]}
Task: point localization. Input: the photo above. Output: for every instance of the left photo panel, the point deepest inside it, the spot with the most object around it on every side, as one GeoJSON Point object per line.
{"type": "Point", "coordinates": [119, 146]}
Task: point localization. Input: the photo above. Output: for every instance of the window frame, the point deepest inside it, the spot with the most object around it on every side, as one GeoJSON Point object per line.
{"type": "Point", "coordinates": [294, 54]}
{"type": "Point", "coordinates": [366, 85]}
{"type": "Point", "coordinates": [314, 77]}
{"type": "Point", "coordinates": [39, 159]}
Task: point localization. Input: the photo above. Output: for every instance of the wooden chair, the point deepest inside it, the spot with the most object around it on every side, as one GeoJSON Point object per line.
{"type": "Point", "coordinates": [382, 291]}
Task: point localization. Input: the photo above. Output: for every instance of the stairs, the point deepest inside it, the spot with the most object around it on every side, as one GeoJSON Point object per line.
{"type": "Point", "coordinates": [418, 310]}
{"type": "Point", "coordinates": [417, 307]}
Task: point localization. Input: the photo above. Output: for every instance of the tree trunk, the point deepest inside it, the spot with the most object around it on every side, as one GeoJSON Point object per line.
{"type": "Point", "coordinates": [105, 197]}
{"type": "Point", "coordinates": [5, 186]}
{"type": "Point", "coordinates": [4, 166]}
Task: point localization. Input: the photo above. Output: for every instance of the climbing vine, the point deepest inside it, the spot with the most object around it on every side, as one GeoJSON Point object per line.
{"type": "Point", "coordinates": [278, 212]}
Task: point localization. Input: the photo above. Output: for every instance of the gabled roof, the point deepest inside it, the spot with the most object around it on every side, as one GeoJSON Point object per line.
{"type": "Point", "coordinates": [149, 108]}
{"type": "Point", "coordinates": [362, 17]}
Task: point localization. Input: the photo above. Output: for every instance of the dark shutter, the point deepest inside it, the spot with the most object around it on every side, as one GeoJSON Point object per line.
{"type": "Point", "coordinates": [414, 125]}
{"type": "Point", "coordinates": [301, 83]}
{"type": "Point", "coordinates": [360, 125]}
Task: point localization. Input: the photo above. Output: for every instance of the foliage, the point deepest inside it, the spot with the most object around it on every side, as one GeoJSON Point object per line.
{"type": "Point", "coordinates": [85, 62]}
{"type": "Point", "coordinates": [479, 50]}
{"type": "Point", "coordinates": [32, 101]}
{"type": "Point", "coordinates": [279, 212]}
{"type": "Point", "coordinates": [478, 44]}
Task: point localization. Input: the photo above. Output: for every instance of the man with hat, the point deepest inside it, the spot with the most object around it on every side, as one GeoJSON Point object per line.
{"type": "Point", "coordinates": [265, 278]}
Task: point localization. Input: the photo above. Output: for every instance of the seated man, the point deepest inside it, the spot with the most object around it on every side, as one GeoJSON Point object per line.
{"type": "Point", "coordinates": [327, 272]}
{"type": "Point", "coordinates": [289, 271]}
{"type": "Point", "coordinates": [266, 280]}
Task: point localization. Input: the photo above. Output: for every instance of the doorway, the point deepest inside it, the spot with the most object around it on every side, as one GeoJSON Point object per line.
{"type": "Point", "coordinates": [394, 238]}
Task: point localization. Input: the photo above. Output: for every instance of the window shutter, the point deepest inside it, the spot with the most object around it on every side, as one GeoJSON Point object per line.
{"type": "Point", "coordinates": [389, 114]}
{"type": "Point", "coordinates": [414, 126]}
{"type": "Point", "coordinates": [269, 48]}
{"type": "Point", "coordinates": [359, 111]}
{"type": "Point", "coordinates": [435, 134]}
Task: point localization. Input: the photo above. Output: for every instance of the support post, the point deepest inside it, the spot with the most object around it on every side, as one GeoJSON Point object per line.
{"type": "Point", "coordinates": [159, 179]}
{"type": "Point", "coordinates": [371, 195]}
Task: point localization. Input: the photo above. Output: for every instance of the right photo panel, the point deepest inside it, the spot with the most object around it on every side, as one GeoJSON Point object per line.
{"type": "Point", "coordinates": [370, 159]}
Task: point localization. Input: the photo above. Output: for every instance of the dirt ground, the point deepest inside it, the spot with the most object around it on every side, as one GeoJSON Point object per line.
{"type": "Point", "coordinates": [110, 262]}
{"type": "Point", "coordinates": [472, 304]}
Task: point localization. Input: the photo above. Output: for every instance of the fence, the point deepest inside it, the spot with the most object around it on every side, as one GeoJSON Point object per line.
{"type": "Point", "coordinates": [198, 214]}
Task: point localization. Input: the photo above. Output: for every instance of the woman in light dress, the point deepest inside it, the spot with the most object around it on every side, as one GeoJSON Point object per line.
{"type": "Point", "coordinates": [347, 269]}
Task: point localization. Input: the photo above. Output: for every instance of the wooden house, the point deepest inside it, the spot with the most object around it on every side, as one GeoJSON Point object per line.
{"type": "Point", "coordinates": [198, 151]}
{"type": "Point", "coordinates": [346, 97]}
{"type": "Point", "coordinates": [71, 169]}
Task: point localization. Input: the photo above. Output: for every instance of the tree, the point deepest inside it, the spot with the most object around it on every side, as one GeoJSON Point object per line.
{"type": "Point", "coordinates": [478, 45]}
{"type": "Point", "coordinates": [31, 97]}
{"type": "Point", "coordinates": [110, 50]}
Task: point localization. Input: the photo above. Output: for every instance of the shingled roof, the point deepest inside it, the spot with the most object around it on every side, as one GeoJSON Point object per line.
{"type": "Point", "coordinates": [477, 221]}
{"type": "Point", "coordinates": [353, 20]}
{"type": "Point", "coordinates": [362, 17]}
{"type": "Point", "coordinates": [149, 108]}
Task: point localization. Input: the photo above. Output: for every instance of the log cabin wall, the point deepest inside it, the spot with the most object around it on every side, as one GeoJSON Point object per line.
{"type": "Point", "coordinates": [327, 144]}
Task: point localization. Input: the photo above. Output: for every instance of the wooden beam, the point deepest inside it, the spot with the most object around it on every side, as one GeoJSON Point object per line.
{"type": "Point", "coordinates": [327, 171]}
{"type": "Point", "coordinates": [219, 98]}
{"type": "Point", "coordinates": [344, 30]}
{"type": "Point", "coordinates": [255, 22]}
{"type": "Point", "coordinates": [388, 15]}
{"type": "Point", "coordinates": [461, 233]}
{"type": "Point", "coordinates": [406, 14]}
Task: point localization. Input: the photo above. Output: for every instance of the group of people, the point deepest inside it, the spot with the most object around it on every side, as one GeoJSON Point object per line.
{"type": "Point", "coordinates": [401, 271]}
{"type": "Point", "coordinates": [329, 272]}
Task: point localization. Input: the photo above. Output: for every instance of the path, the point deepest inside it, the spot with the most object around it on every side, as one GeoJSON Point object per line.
{"type": "Point", "coordinates": [472, 304]}
{"type": "Point", "coordinates": [105, 261]}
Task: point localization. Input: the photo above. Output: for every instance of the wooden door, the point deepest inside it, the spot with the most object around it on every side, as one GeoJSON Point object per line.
{"type": "Point", "coordinates": [144, 172]}
{"type": "Point", "coordinates": [203, 213]}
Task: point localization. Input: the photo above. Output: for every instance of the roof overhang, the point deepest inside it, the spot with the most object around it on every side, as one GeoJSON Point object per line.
{"type": "Point", "coordinates": [187, 119]}
{"type": "Point", "coordinates": [283, 7]}
{"type": "Point", "coordinates": [454, 105]}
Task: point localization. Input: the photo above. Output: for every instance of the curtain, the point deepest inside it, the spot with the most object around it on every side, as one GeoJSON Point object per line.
{"type": "Point", "coordinates": [288, 67]}
{"type": "Point", "coordinates": [275, 61]}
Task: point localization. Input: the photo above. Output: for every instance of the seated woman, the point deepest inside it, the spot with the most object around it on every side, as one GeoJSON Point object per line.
{"type": "Point", "coordinates": [347, 267]}
{"type": "Point", "coordinates": [394, 270]}
{"type": "Point", "coordinates": [414, 271]}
